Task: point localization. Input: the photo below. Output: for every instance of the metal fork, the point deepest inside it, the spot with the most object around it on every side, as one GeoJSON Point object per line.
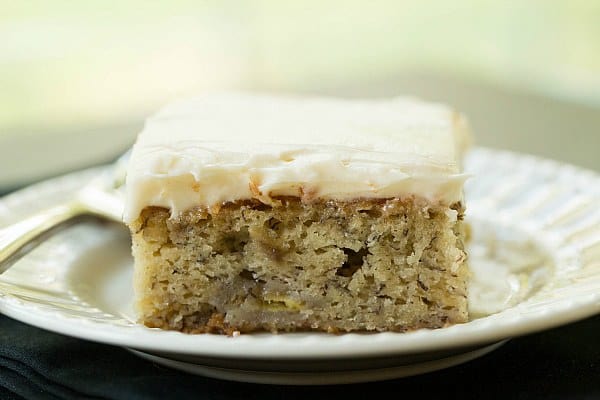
{"type": "Point", "coordinates": [101, 198]}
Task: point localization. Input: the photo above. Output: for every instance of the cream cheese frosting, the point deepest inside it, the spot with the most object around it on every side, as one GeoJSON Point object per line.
{"type": "Point", "coordinates": [218, 148]}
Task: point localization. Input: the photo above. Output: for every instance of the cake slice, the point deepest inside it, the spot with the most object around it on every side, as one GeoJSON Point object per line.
{"type": "Point", "coordinates": [255, 212]}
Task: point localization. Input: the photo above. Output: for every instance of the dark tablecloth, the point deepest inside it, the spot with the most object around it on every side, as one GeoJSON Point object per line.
{"type": "Point", "coordinates": [563, 363]}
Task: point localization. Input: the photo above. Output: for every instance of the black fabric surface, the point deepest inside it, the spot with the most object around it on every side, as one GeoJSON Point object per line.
{"type": "Point", "coordinates": [563, 363]}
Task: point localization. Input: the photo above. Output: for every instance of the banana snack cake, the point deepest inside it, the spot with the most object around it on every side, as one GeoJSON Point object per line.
{"type": "Point", "coordinates": [254, 212]}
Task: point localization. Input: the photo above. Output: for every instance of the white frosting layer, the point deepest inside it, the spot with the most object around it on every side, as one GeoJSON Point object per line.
{"type": "Point", "coordinates": [226, 147]}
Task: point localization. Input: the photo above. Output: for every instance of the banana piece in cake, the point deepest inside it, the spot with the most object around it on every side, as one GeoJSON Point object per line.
{"type": "Point", "coordinates": [255, 212]}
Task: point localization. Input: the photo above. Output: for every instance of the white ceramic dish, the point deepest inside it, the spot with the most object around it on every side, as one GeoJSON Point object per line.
{"type": "Point", "coordinates": [535, 257]}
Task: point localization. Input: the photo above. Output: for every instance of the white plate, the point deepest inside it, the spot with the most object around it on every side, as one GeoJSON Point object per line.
{"type": "Point", "coordinates": [535, 257]}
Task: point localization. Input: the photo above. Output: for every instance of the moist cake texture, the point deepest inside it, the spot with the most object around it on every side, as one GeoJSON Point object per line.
{"type": "Point", "coordinates": [252, 212]}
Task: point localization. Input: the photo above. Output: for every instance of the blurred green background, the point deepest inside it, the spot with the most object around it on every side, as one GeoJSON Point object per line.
{"type": "Point", "coordinates": [78, 78]}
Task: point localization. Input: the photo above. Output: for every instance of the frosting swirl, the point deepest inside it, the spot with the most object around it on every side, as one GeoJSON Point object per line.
{"type": "Point", "coordinates": [234, 146]}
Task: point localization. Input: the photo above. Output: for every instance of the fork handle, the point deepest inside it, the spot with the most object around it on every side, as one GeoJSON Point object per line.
{"type": "Point", "coordinates": [20, 238]}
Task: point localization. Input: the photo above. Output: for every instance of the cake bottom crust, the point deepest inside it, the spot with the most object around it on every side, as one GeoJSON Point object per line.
{"type": "Point", "coordinates": [336, 266]}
